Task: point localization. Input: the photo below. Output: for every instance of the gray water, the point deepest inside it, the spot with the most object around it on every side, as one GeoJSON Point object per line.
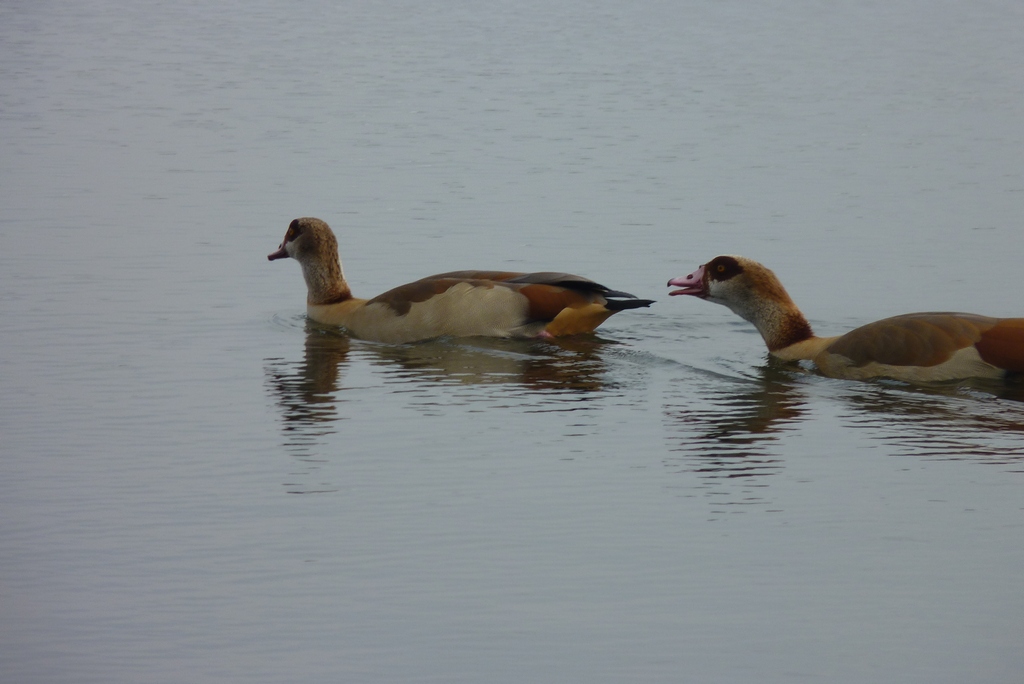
{"type": "Point", "coordinates": [198, 485]}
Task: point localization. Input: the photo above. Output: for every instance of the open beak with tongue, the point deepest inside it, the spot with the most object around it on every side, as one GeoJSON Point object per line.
{"type": "Point", "coordinates": [692, 284]}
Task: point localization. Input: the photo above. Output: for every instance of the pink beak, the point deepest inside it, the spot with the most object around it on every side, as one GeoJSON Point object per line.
{"type": "Point", "coordinates": [279, 254]}
{"type": "Point", "coordinates": [692, 284]}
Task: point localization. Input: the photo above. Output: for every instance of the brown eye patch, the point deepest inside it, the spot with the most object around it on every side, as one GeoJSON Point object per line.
{"type": "Point", "coordinates": [294, 230]}
{"type": "Point", "coordinates": [724, 267]}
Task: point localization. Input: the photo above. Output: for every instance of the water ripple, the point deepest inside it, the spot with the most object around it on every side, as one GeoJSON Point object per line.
{"type": "Point", "coordinates": [437, 377]}
{"type": "Point", "coordinates": [727, 429]}
{"type": "Point", "coordinates": [954, 423]}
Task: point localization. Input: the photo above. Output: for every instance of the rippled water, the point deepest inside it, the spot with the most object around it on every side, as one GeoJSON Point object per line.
{"type": "Point", "coordinates": [198, 484]}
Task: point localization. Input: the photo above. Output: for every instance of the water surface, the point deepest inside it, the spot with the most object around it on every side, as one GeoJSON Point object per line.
{"type": "Point", "coordinates": [198, 484]}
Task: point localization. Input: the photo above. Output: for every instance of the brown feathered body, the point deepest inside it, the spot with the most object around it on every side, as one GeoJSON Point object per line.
{"type": "Point", "coordinates": [917, 347]}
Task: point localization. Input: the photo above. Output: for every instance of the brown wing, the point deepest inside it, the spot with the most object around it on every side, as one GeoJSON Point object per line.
{"type": "Point", "coordinates": [499, 276]}
{"type": "Point", "coordinates": [573, 305]}
{"type": "Point", "coordinates": [1002, 345]}
{"type": "Point", "coordinates": [547, 301]}
{"type": "Point", "coordinates": [568, 280]}
{"type": "Point", "coordinates": [401, 298]}
{"type": "Point", "coordinates": [551, 293]}
{"type": "Point", "coordinates": [922, 339]}
{"type": "Point", "coordinates": [548, 293]}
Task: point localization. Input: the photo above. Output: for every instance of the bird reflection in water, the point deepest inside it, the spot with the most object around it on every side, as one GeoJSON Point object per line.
{"type": "Point", "coordinates": [310, 392]}
{"type": "Point", "coordinates": [307, 391]}
{"type": "Point", "coordinates": [735, 435]}
{"type": "Point", "coordinates": [977, 420]}
{"type": "Point", "coordinates": [731, 436]}
{"type": "Point", "coordinates": [566, 365]}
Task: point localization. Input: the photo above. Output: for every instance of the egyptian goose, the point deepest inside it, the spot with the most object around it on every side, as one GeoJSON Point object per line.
{"type": "Point", "coordinates": [458, 304]}
{"type": "Point", "coordinates": [918, 347]}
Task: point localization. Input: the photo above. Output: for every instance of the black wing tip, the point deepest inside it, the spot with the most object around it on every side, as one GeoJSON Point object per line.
{"type": "Point", "coordinates": [616, 293]}
{"type": "Point", "coordinates": [623, 304]}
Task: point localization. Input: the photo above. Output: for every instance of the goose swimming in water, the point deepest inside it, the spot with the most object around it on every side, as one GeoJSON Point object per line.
{"type": "Point", "coordinates": [458, 304]}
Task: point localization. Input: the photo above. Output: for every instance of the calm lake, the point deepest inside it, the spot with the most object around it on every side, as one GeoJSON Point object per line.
{"type": "Point", "coordinates": [198, 485]}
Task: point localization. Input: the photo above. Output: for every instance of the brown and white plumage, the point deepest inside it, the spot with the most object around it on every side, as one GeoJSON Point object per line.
{"type": "Point", "coordinates": [918, 347]}
{"type": "Point", "coordinates": [457, 304]}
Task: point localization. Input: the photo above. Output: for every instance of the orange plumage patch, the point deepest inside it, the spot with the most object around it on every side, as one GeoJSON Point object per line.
{"type": "Point", "coordinates": [547, 301]}
{"type": "Point", "coordinates": [1002, 345]}
{"type": "Point", "coordinates": [578, 320]}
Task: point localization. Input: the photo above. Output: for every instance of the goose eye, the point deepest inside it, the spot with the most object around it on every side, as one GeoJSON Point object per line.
{"type": "Point", "coordinates": [721, 268]}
